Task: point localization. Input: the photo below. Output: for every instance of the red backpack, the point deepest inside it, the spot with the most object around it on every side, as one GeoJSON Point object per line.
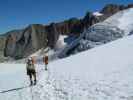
{"type": "Point", "coordinates": [45, 59]}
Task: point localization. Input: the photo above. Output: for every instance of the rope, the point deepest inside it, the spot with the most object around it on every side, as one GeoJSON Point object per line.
{"type": "Point", "coordinates": [14, 89]}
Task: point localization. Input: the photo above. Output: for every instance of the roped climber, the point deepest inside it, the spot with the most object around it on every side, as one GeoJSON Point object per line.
{"type": "Point", "coordinates": [45, 60]}
{"type": "Point", "coordinates": [31, 71]}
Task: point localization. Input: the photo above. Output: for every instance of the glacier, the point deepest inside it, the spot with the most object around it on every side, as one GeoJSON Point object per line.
{"type": "Point", "coordinates": [101, 73]}
{"type": "Point", "coordinates": [115, 27]}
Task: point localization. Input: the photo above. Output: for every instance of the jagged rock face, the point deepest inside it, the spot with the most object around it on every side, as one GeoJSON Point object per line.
{"type": "Point", "coordinates": [103, 33]}
{"type": "Point", "coordinates": [111, 9]}
{"type": "Point", "coordinates": [92, 37]}
{"type": "Point", "coordinates": [2, 42]}
{"type": "Point", "coordinates": [130, 6]}
{"type": "Point", "coordinates": [90, 19]}
{"type": "Point", "coordinates": [22, 43]}
{"type": "Point", "coordinates": [2, 46]}
{"type": "Point", "coordinates": [52, 35]}
{"type": "Point", "coordinates": [99, 34]}
{"type": "Point", "coordinates": [111, 29]}
{"type": "Point", "coordinates": [11, 42]}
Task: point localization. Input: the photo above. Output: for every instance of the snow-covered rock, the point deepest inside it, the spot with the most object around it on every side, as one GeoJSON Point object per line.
{"type": "Point", "coordinates": [116, 26]}
{"type": "Point", "coordinates": [97, 14]}
{"type": "Point", "coordinates": [60, 43]}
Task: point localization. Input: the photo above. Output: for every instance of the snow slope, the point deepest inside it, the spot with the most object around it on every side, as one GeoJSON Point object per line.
{"type": "Point", "coordinates": [122, 20]}
{"type": "Point", "coordinates": [115, 27]}
{"type": "Point", "coordinates": [102, 73]}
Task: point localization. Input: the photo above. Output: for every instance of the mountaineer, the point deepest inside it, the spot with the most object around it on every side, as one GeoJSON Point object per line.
{"type": "Point", "coordinates": [45, 60]}
{"type": "Point", "coordinates": [31, 71]}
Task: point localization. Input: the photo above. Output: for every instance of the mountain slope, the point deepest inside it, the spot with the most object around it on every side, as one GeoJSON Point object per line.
{"type": "Point", "coordinates": [104, 73]}
{"type": "Point", "coordinates": [116, 26]}
{"type": "Point", "coordinates": [24, 42]}
{"type": "Point", "coordinates": [122, 20]}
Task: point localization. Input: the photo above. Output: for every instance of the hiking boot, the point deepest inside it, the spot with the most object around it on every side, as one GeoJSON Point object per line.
{"type": "Point", "coordinates": [46, 68]}
{"type": "Point", "coordinates": [31, 83]}
{"type": "Point", "coordinates": [34, 82]}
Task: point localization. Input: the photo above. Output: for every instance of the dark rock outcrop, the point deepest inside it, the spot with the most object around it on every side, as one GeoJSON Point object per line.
{"type": "Point", "coordinates": [129, 6]}
{"type": "Point", "coordinates": [111, 9]}
{"type": "Point", "coordinates": [90, 19]}
{"type": "Point", "coordinates": [24, 42]}
{"type": "Point", "coordinates": [2, 46]}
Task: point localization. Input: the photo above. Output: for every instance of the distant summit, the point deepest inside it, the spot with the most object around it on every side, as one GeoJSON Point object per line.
{"type": "Point", "coordinates": [111, 9]}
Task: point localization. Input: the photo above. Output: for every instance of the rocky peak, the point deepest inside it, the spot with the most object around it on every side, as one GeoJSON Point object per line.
{"type": "Point", "coordinates": [130, 6]}
{"type": "Point", "coordinates": [111, 9]}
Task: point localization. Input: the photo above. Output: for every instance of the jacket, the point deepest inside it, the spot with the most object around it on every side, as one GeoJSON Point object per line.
{"type": "Point", "coordinates": [46, 60]}
{"type": "Point", "coordinates": [30, 66]}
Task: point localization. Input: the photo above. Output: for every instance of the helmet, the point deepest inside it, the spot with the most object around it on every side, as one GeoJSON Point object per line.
{"type": "Point", "coordinates": [30, 58]}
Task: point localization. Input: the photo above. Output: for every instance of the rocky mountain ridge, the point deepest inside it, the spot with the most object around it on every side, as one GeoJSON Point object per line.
{"type": "Point", "coordinates": [22, 43]}
{"type": "Point", "coordinates": [109, 30]}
